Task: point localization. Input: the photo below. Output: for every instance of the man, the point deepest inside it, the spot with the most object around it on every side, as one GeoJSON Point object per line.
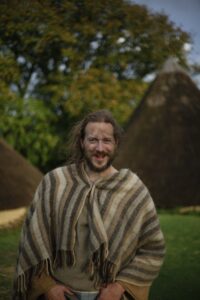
{"type": "Point", "coordinates": [92, 231]}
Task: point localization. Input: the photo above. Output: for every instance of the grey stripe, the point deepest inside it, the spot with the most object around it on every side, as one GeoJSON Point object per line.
{"type": "Point", "coordinates": [43, 212]}
{"type": "Point", "coordinates": [111, 191]}
{"type": "Point", "coordinates": [75, 212]}
{"type": "Point", "coordinates": [150, 232]}
{"type": "Point", "coordinates": [68, 203]}
{"type": "Point", "coordinates": [129, 222]}
{"type": "Point", "coordinates": [26, 257]}
{"type": "Point", "coordinates": [136, 277]}
{"type": "Point", "coordinates": [149, 221]}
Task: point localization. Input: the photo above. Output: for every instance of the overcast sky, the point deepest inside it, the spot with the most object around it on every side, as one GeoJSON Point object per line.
{"type": "Point", "coordinates": [184, 13]}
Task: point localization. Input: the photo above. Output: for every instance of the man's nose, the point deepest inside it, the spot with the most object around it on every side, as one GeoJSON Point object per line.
{"type": "Point", "coordinates": [99, 145]}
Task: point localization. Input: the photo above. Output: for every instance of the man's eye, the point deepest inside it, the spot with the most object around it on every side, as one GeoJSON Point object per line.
{"type": "Point", "coordinates": [107, 141]}
{"type": "Point", "coordinates": [92, 140]}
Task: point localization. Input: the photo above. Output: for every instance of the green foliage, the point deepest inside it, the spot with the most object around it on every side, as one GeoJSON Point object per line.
{"type": "Point", "coordinates": [29, 127]}
{"type": "Point", "coordinates": [94, 89]}
{"type": "Point", "coordinates": [73, 57]}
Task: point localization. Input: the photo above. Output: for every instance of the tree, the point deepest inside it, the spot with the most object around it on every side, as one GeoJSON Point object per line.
{"type": "Point", "coordinates": [64, 54]}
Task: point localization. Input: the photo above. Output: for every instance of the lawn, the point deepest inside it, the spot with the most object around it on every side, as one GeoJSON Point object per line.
{"type": "Point", "coordinates": [180, 275]}
{"type": "Point", "coordinates": [9, 239]}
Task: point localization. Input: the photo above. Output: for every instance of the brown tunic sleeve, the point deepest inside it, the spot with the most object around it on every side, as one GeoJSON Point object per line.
{"type": "Point", "coordinates": [40, 285]}
{"type": "Point", "coordinates": [137, 292]}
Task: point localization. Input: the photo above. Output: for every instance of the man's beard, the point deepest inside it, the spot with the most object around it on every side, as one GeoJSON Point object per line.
{"type": "Point", "coordinates": [97, 169]}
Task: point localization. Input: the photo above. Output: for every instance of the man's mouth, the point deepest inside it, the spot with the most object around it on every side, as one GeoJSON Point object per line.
{"type": "Point", "coordinates": [99, 155]}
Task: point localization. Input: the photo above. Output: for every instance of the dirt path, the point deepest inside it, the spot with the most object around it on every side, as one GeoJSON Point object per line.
{"type": "Point", "coordinates": [10, 217]}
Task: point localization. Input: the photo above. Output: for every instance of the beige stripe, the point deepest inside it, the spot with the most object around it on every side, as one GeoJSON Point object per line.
{"type": "Point", "coordinates": [116, 203]}
{"type": "Point", "coordinates": [133, 232]}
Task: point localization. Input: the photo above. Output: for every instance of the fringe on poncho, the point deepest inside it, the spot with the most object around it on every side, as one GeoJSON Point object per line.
{"type": "Point", "coordinates": [125, 240]}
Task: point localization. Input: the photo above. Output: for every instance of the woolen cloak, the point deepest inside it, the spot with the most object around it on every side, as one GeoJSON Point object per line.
{"type": "Point", "coordinates": [125, 240]}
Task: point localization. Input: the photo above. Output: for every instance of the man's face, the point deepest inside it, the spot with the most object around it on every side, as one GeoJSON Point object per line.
{"type": "Point", "coordinates": [99, 146]}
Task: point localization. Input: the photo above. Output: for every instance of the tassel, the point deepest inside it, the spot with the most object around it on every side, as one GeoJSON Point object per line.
{"type": "Point", "coordinates": [70, 258]}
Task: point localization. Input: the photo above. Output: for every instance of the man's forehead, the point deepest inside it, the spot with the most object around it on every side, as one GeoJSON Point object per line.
{"type": "Point", "coordinates": [99, 127]}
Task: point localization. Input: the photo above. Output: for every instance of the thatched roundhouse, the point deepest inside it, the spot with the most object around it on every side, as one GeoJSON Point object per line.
{"type": "Point", "coordinates": [162, 139]}
{"type": "Point", "coordinates": [18, 178]}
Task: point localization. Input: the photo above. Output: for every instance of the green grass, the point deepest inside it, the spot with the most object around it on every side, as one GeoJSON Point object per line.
{"type": "Point", "coordinates": [179, 278]}
{"type": "Point", "coordinates": [9, 239]}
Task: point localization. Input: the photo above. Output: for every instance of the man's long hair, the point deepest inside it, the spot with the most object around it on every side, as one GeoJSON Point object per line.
{"type": "Point", "coordinates": [77, 133]}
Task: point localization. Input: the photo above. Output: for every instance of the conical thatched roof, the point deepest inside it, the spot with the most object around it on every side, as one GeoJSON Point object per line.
{"type": "Point", "coordinates": [162, 140]}
{"type": "Point", "coordinates": [18, 178]}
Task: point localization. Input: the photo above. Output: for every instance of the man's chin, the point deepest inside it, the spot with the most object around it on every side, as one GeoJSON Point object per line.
{"type": "Point", "coordinates": [98, 168]}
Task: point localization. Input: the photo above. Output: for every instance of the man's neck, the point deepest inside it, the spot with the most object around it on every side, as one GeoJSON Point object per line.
{"type": "Point", "coordinates": [93, 176]}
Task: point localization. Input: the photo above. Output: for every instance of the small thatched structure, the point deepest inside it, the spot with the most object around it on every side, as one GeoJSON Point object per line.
{"type": "Point", "coordinates": [162, 140]}
{"type": "Point", "coordinates": [18, 179]}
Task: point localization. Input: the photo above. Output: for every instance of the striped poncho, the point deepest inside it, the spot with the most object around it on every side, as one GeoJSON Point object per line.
{"type": "Point", "coordinates": [125, 240]}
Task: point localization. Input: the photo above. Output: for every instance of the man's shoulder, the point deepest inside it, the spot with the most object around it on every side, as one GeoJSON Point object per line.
{"type": "Point", "coordinates": [60, 171]}
{"type": "Point", "coordinates": [132, 177]}
{"type": "Point", "coordinates": [128, 173]}
{"type": "Point", "coordinates": [55, 171]}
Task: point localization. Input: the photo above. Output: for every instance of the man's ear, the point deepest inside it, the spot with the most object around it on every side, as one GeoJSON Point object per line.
{"type": "Point", "coordinates": [117, 142]}
{"type": "Point", "coordinates": [81, 143]}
